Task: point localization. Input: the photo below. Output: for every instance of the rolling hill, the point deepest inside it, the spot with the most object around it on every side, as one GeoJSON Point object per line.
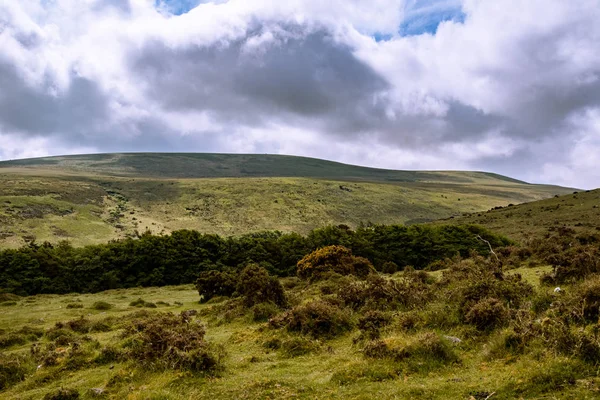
{"type": "Point", "coordinates": [579, 211]}
{"type": "Point", "coordinates": [94, 198]}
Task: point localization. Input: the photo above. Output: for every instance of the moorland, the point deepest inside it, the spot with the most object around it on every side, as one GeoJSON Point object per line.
{"type": "Point", "coordinates": [499, 303]}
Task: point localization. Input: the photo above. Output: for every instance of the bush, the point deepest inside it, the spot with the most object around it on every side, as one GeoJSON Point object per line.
{"type": "Point", "coordinates": [427, 351]}
{"type": "Point", "coordinates": [216, 283]}
{"type": "Point", "coordinates": [372, 322]}
{"type": "Point", "coordinates": [319, 319]}
{"type": "Point", "coordinates": [102, 305]}
{"type": "Point", "coordinates": [20, 337]}
{"type": "Point", "coordinates": [263, 311]}
{"type": "Point", "coordinates": [299, 346]}
{"type": "Point", "coordinates": [13, 369]}
{"type": "Point", "coordinates": [74, 305]}
{"type": "Point", "coordinates": [487, 314]}
{"type": "Point", "coordinates": [9, 297]}
{"type": "Point", "coordinates": [389, 267]}
{"type": "Point", "coordinates": [168, 341]}
{"type": "Point", "coordinates": [142, 303]}
{"type": "Point", "coordinates": [337, 259]}
{"type": "Point", "coordinates": [377, 292]}
{"type": "Point", "coordinates": [256, 286]}
{"type": "Point", "coordinates": [63, 394]}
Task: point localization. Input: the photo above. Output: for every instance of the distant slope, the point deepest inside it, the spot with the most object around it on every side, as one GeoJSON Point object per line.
{"type": "Point", "coordinates": [95, 198]}
{"type": "Point", "coordinates": [207, 165]}
{"type": "Point", "coordinates": [579, 211]}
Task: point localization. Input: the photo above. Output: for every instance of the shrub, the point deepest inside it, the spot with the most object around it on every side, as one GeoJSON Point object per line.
{"type": "Point", "coordinates": [263, 311]}
{"type": "Point", "coordinates": [470, 281]}
{"type": "Point", "coordinates": [372, 322]}
{"type": "Point", "coordinates": [74, 305]}
{"type": "Point", "coordinates": [299, 346]}
{"type": "Point", "coordinates": [487, 314]}
{"type": "Point", "coordinates": [142, 303]}
{"type": "Point", "coordinates": [427, 351]}
{"type": "Point", "coordinates": [335, 258]}
{"type": "Point", "coordinates": [257, 286]}
{"type": "Point", "coordinates": [102, 305]}
{"type": "Point", "coordinates": [13, 369]}
{"type": "Point", "coordinates": [317, 318]}
{"type": "Point", "coordinates": [9, 297]}
{"type": "Point", "coordinates": [169, 341]}
{"type": "Point", "coordinates": [20, 337]}
{"type": "Point", "coordinates": [377, 292]}
{"type": "Point", "coordinates": [389, 267]}
{"type": "Point", "coordinates": [216, 283]}
{"type": "Point", "coordinates": [63, 394]}
{"type": "Point", "coordinates": [108, 354]}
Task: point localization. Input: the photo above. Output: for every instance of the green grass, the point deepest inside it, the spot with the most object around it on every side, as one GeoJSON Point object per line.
{"type": "Point", "coordinates": [93, 199]}
{"type": "Point", "coordinates": [208, 165]}
{"type": "Point", "coordinates": [578, 211]}
{"type": "Point", "coordinates": [338, 370]}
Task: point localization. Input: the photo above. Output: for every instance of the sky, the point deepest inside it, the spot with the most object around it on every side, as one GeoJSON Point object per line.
{"type": "Point", "coordinates": [510, 86]}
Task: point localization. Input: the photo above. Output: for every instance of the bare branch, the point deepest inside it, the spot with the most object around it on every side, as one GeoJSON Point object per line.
{"type": "Point", "coordinates": [489, 245]}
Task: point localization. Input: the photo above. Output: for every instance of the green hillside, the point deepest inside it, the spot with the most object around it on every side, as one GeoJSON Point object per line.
{"type": "Point", "coordinates": [579, 211]}
{"type": "Point", "coordinates": [95, 198]}
{"type": "Point", "coordinates": [207, 165]}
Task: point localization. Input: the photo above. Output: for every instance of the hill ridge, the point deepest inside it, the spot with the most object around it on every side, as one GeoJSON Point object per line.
{"type": "Point", "coordinates": [229, 165]}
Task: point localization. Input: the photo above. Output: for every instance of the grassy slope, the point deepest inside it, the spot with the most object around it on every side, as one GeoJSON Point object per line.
{"type": "Point", "coordinates": [579, 211]}
{"type": "Point", "coordinates": [92, 199]}
{"type": "Point", "coordinates": [253, 372]}
{"type": "Point", "coordinates": [209, 165]}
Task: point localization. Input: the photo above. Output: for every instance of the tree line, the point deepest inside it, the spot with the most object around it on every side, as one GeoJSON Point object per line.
{"type": "Point", "coordinates": [178, 258]}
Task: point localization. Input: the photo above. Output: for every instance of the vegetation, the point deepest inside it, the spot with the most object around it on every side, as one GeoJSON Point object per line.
{"type": "Point", "coordinates": [340, 336]}
{"type": "Point", "coordinates": [97, 198]}
{"type": "Point", "coordinates": [408, 312]}
{"type": "Point", "coordinates": [179, 258]}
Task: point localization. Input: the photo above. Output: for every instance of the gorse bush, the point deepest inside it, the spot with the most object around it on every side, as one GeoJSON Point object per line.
{"type": "Point", "coordinates": [319, 319]}
{"type": "Point", "coordinates": [255, 285]}
{"type": "Point", "coordinates": [169, 341]}
{"type": "Point", "coordinates": [487, 314]}
{"type": "Point", "coordinates": [470, 283]}
{"type": "Point", "coordinates": [13, 369]}
{"type": "Point", "coordinates": [337, 259]}
{"type": "Point", "coordinates": [377, 292]}
{"type": "Point", "coordinates": [427, 351]}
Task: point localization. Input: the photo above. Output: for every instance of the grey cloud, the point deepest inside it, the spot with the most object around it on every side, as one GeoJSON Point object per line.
{"type": "Point", "coordinates": [33, 111]}
{"type": "Point", "coordinates": [305, 76]}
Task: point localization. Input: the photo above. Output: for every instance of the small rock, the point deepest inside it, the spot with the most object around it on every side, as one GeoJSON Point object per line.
{"type": "Point", "coordinates": [452, 339]}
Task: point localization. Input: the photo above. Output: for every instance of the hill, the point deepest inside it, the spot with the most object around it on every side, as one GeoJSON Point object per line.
{"type": "Point", "coordinates": [577, 211]}
{"type": "Point", "coordinates": [209, 165]}
{"type": "Point", "coordinates": [94, 198]}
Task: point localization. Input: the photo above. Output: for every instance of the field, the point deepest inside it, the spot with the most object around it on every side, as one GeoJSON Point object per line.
{"type": "Point", "coordinates": [331, 368]}
{"type": "Point", "coordinates": [578, 211]}
{"type": "Point", "coordinates": [93, 199]}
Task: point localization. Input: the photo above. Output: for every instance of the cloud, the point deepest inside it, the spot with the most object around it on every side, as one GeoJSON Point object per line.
{"type": "Point", "coordinates": [512, 87]}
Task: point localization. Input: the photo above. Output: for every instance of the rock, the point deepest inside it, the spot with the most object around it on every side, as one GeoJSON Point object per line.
{"type": "Point", "coordinates": [452, 339]}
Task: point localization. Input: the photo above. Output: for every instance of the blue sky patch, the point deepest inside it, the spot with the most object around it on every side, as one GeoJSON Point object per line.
{"type": "Point", "coordinates": [425, 16]}
{"type": "Point", "coordinates": [177, 7]}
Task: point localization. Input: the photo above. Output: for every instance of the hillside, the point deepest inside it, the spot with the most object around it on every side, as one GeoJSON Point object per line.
{"type": "Point", "coordinates": [208, 165]}
{"type": "Point", "coordinates": [579, 211]}
{"type": "Point", "coordinates": [95, 198]}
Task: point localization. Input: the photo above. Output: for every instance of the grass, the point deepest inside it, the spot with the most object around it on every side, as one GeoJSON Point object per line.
{"type": "Point", "coordinates": [94, 199]}
{"type": "Point", "coordinates": [578, 211]}
{"type": "Point", "coordinates": [333, 369]}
